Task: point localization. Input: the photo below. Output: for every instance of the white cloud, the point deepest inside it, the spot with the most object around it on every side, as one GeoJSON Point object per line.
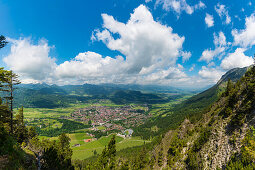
{"type": "Point", "coordinates": [185, 56]}
{"type": "Point", "coordinates": [223, 12]}
{"type": "Point", "coordinates": [192, 67]}
{"type": "Point", "coordinates": [211, 74]}
{"type": "Point", "coordinates": [147, 44]}
{"type": "Point", "coordinates": [180, 66]}
{"type": "Point", "coordinates": [150, 49]}
{"type": "Point", "coordinates": [31, 61]}
{"type": "Point", "coordinates": [245, 37]}
{"type": "Point", "coordinates": [219, 40]}
{"type": "Point", "coordinates": [211, 64]}
{"type": "Point", "coordinates": [89, 64]}
{"type": "Point", "coordinates": [200, 5]}
{"type": "Point", "coordinates": [179, 6]}
{"type": "Point", "coordinates": [209, 55]}
{"type": "Point", "coordinates": [148, 1]}
{"type": "Point", "coordinates": [164, 76]}
{"type": "Point", "coordinates": [209, 20]}
{"type": "Point", "coordinates": [236, 59]}
{"type": "Point", "coordinates": [220, 47]}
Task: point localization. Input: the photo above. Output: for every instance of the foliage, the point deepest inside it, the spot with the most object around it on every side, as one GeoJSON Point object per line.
{"type": "Point", "coordinates": [3, 41]}
{"type": "Point", "coordinates": [175, 149]}
{"type": "Point", "coordinates": [67, 127]}
{"type": "Point", "coordinates": [58, 155]}
{"type": "Point", "coordinates": [202, 139]}
{"type": "Point", "coordinates": [246, 158]}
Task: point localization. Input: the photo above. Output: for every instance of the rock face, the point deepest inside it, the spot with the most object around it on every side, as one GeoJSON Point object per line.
{"type": "Point", "coordinates": [218, 151]}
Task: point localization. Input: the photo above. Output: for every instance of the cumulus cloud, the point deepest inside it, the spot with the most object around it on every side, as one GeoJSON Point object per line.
{"type": "Point", "coordinates": [211, 64]}
{"type": "Point", "coordinates": [185, 56]}
{"type": "Point", "coordinates": [209, 20]}
{"type": "Point", "coordinates": [89, 64]}
{"type": "Point", "coordinates": [211, 74]}
{"type": "Point", "coordinates": [147, 44]}
{"type": "Point", "coordinates": [150, 52]}
{"type": "Point", "coordinates": [179, 6]}
{"type": "Point", "coordinates": [246, 36]}
{"type": "Point", "coordinates": [31, 61]}
{"type": "Point", "coordinates": [219, 40]}
{"type": "Point", "coordinates": [192, 67]}
{"type": "Point", "coordinates": [223, 13]}
{"type": "Point", "coordinates": [236, 59]}
{"type": "Point", "coordinates": [220, 44]}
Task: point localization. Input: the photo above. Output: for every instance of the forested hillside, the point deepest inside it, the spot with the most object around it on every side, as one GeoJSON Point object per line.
{"type": "Point", "coordinates": [191, 108]}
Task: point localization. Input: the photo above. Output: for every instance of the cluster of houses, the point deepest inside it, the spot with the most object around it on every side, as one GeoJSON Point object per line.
{"type": "Point", "coordinates": [112, 118]}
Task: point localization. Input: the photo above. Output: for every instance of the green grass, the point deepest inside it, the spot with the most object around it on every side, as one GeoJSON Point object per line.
{"type": "Point", "coordinates": [78, 138]}
{"type": "Point", "coordinates": [87, 150]}
{"type": "Point", "coordinates": [30, 113]}
{"type": "Point", "coordinates": [101, 128]}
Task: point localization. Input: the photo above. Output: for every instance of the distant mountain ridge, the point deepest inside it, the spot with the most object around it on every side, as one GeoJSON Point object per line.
{"type": "Point", "coordinates": [51, 96]}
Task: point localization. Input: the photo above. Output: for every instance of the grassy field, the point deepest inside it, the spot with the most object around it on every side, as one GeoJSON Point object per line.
{"type": "Point", "coordinates": [86, 150]}
{"type": "Point", "coordinates": [30, 113]}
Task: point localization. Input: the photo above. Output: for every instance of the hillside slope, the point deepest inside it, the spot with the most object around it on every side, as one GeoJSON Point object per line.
{"type": "Point", "coordinates": [223, 137]}
{"type": "Point", "coordinates": [187, 109]}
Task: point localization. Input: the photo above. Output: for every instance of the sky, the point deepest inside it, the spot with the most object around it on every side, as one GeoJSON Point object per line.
{"type": "Point", "coordinates": [181, 43]}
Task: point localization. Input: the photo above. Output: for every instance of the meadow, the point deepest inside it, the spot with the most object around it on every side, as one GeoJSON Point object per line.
{"type": "Point", "coordinates": [86, 150]}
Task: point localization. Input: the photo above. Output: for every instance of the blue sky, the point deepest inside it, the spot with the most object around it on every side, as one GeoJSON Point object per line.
{"type": "Point", "coordinates": [180, 43]}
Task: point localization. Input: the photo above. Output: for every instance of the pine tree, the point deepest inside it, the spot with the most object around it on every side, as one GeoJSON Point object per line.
{"type": "Point", "coordinates": [112, 152]}
{"type": "Point", "coordinates": [107, 158]}
{"type": "Point", "coordinates": [10, 79]}
{"type": "Point", "coordinates": [20, 116]}
{"type": "Point", "coordinates": [3, 41]}
{"type": "Point", "coordinates": [160, 157]}
{"type": "Point", "coordinates": [20, 131]}
{"type": "Point", "coordinates": [229, 87]}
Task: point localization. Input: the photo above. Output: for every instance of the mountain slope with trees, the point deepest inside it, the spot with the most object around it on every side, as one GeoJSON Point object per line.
{"type": "Point", "coordinates": [190, 108]}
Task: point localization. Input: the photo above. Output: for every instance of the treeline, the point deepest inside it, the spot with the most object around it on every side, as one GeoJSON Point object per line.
{"type": "Point", "coordinates": [68, 126]}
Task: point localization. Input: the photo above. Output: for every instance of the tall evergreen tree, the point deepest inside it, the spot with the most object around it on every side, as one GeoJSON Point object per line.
{"type": "Point", "coordinates": [3, 41]}
{"type": "Point", "coordinates": [229, 87]}
{"type": "Point", "coordinates": [10, 80]}
{"type": "Point", "coordinates": [112, 152]}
